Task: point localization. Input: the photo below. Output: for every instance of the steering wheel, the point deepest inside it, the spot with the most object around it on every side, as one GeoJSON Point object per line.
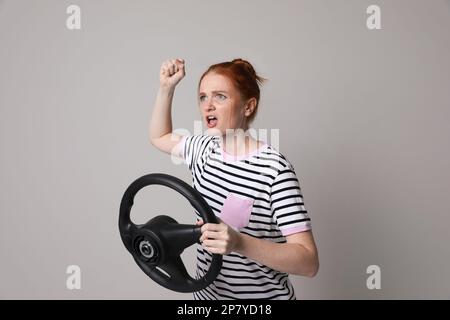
{"type": "Point", "coordinates": [159, 243]}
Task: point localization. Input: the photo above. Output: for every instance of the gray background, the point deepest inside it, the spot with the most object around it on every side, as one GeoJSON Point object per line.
{"type": "Point", "coordinates": [363, 117]}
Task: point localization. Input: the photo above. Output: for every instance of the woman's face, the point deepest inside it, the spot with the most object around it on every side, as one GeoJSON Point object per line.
{"type": "Point", "coordinates": [218, 99]}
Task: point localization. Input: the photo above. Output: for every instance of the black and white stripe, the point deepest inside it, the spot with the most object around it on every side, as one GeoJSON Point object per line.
{"type": "Point", "coordinates": [278, 210]}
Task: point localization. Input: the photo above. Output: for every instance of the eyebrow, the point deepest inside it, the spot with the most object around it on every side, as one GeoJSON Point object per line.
{"type": "Point", "coordinates": [215, 91]}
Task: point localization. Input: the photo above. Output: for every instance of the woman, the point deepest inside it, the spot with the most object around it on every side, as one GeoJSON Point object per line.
{"type": "Point", "coordinates": [264, 231]}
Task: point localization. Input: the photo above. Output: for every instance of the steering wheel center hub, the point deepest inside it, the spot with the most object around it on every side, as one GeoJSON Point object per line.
{"type": "Point", "coordinates": [146, 249]}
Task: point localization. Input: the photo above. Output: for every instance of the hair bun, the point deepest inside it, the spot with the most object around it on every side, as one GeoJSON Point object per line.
{"type": "Point", "coordinates": [245, 64]}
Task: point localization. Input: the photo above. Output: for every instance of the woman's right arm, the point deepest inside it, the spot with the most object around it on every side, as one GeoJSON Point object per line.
{"type": "Point", "coordinates": [160, 127]}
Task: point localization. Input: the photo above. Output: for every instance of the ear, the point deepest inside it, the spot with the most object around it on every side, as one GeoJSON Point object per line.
{"type": "Point", "coordinates": [250, 106]}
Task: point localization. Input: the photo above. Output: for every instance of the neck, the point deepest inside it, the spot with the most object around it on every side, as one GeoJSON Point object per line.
{"type": "Point", "coordinates": [237, 143]}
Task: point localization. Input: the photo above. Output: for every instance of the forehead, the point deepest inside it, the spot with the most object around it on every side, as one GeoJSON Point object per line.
{"type": "Point", "coordinates": [215, 82]}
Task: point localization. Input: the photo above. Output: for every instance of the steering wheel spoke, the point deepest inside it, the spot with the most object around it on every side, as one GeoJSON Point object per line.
{"type": "Point", "coordinates": [181, 236]}
{"type": "Point", "coordinates": [176, 270]}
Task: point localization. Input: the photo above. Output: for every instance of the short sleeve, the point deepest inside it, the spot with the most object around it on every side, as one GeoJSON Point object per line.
{"type": "Point", "coordinates": [193, 148]}
{"type": "Point", "coordinates": [287, 206]}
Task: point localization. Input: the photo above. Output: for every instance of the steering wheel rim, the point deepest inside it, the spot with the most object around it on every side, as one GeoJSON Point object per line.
{"type": "Point", "coordinates": [159, 243]}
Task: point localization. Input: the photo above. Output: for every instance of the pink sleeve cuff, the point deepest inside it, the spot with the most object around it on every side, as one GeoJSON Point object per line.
{"type": "Point", "coordinates": [289, 231]}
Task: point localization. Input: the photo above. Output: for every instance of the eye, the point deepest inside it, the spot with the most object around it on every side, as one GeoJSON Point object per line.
{"type": "Point", "coordinates": [222, 96]}
{"type": "Point", "coordinates": [201, 98]}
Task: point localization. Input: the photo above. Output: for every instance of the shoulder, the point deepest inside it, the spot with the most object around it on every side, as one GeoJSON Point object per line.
{"type": "Point", "coordinates": [199, 144]}
{"type": "Point", "coordinates": [199, 140]}
{"type": "Point", "coordinates": [279, 160]}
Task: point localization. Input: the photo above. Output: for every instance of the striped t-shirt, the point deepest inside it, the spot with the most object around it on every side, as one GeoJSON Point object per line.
{"type": "Point", "coordinates": [259, 195]}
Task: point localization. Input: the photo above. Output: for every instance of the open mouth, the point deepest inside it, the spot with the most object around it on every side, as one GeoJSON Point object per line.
{"type": "Point", "coordinates": [211, 121]}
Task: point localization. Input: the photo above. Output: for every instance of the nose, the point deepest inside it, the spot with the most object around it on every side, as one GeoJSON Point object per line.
{"type": "Point", "coordinates": [209, 105]}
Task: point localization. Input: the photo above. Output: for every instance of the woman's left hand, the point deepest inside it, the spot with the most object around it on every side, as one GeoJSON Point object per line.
{"type": "Point", "coordinates": [219, 237]}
